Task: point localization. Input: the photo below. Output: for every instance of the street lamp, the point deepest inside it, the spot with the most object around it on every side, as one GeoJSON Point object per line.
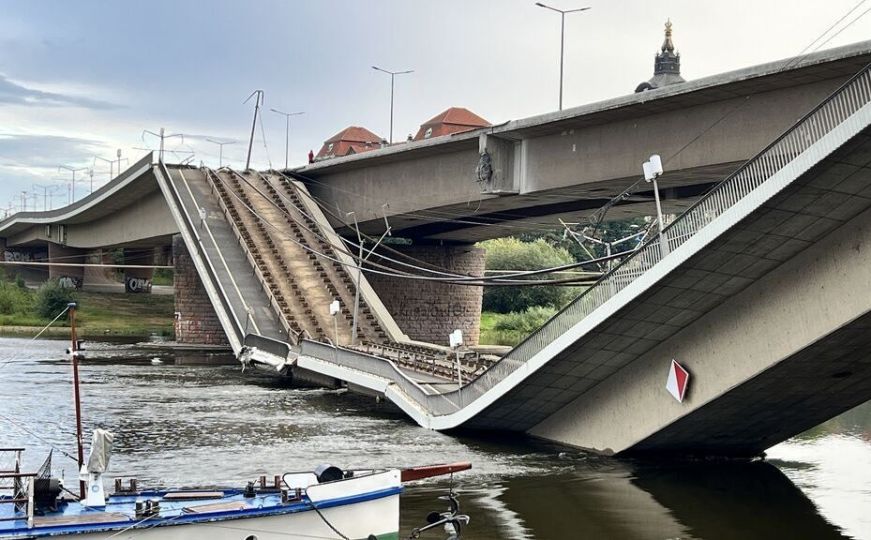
{"type": "Point", "coordinates": [562, 42]}
{"type": "Point", "coordinates": [652, 170]}
{"type": "Point", "coordinates": [73, 182]}
{"type": "Point", "coordinates": [392, 75]}
{"type": "Point", "coordinates": [220, 149]}
{"type": "Point", "coordinates": [286, 130]}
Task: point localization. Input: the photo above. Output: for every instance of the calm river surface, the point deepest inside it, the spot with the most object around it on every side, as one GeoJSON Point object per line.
{"type": "Point", "coordinates": [181, 424]}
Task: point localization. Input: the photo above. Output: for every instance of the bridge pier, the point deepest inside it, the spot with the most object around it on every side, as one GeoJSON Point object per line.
{"type": "Point", "coordinates": [68, 276]}
{"type": "Point", "coordinates": [430, 311]}
{"type": "Point", "coordinates": [138, 280]}
{"type": "Point", "coordinates": [195, 318]}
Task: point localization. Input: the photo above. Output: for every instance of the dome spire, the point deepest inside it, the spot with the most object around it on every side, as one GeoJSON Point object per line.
{"type": "Point", "coordinates": [666, 65]}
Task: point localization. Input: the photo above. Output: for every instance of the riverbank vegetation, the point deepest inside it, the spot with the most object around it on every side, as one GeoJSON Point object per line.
{"type": "Point", "coordinates": [25, 311]}
{"type": "Point", "coordinates": [510, 314]}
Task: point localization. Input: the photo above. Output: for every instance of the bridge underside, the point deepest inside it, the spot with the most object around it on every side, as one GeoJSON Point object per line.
{"type": "Point", "coordinates": [772, 321]}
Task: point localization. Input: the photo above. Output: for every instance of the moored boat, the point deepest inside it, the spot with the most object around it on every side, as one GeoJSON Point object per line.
{"type": "Point", "coordinates": [327, 503]}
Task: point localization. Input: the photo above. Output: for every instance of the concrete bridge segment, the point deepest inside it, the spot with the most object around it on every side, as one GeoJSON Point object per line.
{"type": "Point", "coordinates": [569, 163]}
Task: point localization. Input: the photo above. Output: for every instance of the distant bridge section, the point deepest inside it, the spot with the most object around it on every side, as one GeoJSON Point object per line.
{"type": "Point", "coordinates": [569, 163]}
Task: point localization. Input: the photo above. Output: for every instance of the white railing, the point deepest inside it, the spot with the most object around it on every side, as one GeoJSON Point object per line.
{"type": "Point", "coordinates": [822, 120]}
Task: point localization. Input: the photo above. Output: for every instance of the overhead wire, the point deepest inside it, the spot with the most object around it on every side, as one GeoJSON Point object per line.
{"type": "Point", "coordinates": [391, 272]}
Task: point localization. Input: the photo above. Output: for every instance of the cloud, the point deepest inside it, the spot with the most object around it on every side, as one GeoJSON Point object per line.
{"type": "Point", "coordinates": [14, 93]}
{"type": "Point", "coordinates": [45, 151]}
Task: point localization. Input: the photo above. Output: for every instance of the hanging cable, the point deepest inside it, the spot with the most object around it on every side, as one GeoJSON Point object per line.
{"type": "Point", "coordinates": [391, 272]}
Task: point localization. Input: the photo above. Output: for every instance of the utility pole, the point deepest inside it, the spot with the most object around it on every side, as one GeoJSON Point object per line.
{"type": "Point", "coordinates": [562, 42]}
{"type": "Point", "coordinates": [286, 131]}
{"type": "Point", "coordinates": [73, 170]}
{"type": "Point", "coordinates": [220, 149]}
{"type": "Point", "coordinates": [392, 74]}
{"type": "Point", "coordinates": [258, 100]}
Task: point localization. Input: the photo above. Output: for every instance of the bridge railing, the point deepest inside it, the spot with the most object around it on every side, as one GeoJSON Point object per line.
{"type": "Point", "coordinates": [844, 102]}
{"type": "Point", "coordinates": [848, 99]}
{"type": "Point", "coordinates": [200, 252]}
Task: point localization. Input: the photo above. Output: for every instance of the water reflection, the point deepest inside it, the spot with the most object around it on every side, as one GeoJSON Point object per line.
{"type": "Point", "coordinates": [183, 424]}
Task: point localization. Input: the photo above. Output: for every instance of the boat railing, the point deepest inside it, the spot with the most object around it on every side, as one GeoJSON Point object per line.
{"type": "Point", "coordinates": [21, 495]}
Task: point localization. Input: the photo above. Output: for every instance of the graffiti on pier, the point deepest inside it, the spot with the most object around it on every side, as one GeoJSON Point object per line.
{"type": "Point", "coordinates": [137, 284]}
{"type": "Point", "coordinates": [70, 282]}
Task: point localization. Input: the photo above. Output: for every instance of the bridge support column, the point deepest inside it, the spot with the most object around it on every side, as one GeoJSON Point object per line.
{"type": "Point", "coordinates": [67, 276]}
{"type": "Point", "coordinates": [195, 319]}
{"type": "Point", "coordinates": [429, 311]}
{"type": "Point", "coordinates": [138, 280]}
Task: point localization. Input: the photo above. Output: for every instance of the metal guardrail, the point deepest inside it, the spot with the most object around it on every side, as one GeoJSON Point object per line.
{"type": "Point", "coordinates": [848, 99]}
{"type": "Point", "coordinates": [210, 270]}
{"type": "Point", "coordinates": [211, 179]}
{"type": "Point", "coordinates": [834, 110]}
{"type": "Point", "coordinates": [272, 346]}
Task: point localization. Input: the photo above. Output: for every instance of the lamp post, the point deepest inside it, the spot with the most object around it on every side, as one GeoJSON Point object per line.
{"type": "Point", "coordinates": [111, 163]}
{"type": "Point", "coordinates": [392, 74]}
{"type": "Point", "coordinates": [455, 339]}
{"type": "Point", "coordinates": [220, 149]}
{"type": "Point", "coordinates": [73, 181]}
{"type": "Point", "coordinates": [562, 42]}
{"type": "Point", "coordinates": [652, 170]}
{"type": "Point", "coordinates": [286, 130]}
{"type": "Point", "coordinates": [45, 189]}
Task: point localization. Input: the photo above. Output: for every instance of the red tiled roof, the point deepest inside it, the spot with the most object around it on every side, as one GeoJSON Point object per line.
{"type": "Point", "coordinates": [351, 140]}
{"type": "Point", "coordinates": [453, 120]}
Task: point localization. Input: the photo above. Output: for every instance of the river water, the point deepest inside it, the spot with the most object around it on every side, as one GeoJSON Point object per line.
{"type": "Point", "coordinates": [184, 423]}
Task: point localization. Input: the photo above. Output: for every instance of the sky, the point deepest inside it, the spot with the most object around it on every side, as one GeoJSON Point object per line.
{"type": "Point", "coordinates": [80, 80]}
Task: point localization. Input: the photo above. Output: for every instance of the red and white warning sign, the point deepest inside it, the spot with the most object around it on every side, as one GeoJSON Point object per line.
{"type": "Point", "coordinates": [678, 381]}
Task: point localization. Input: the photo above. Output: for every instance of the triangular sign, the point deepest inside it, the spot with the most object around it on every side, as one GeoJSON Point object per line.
{"type": "Point", "coordinates": [678, 381]}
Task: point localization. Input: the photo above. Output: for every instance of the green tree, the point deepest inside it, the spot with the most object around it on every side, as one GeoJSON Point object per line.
{"type": "Point", "coordinates": [513, 254]}
{"type": "Point", "coordinates": [51, 299]}
{"type": "Point", "coordinates": [607, 232]}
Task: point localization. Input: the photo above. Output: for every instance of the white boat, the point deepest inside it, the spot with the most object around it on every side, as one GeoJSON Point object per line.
{"type": "Point", "coordinates": [327, 503]}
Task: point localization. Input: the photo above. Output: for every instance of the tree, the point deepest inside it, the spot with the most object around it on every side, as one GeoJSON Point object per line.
{"type": "Point", "coordinates": [513, 254]}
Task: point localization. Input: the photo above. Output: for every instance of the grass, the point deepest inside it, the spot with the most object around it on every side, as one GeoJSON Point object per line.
{"type": "Point", "coordinates": [124, 314]}
{"type": "Point", "coordinates": [512, 328]}
{"type": "Point", "coordinates": [102, 314]}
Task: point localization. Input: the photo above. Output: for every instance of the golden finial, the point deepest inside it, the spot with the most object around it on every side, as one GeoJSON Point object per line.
{"type": "Point", "coordinates": [667, 45]}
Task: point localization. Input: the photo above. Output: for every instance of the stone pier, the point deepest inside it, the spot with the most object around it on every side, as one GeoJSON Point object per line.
{"type": "Point", "coordinates": [195, 319]}
{"type": "Point", "coordinates": [430, 311]}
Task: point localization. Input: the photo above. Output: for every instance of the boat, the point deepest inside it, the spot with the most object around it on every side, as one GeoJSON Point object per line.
{"type": "Point", "coordinates": [327, 502]}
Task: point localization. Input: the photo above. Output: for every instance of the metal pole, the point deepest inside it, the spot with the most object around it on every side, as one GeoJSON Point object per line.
{"type": "Point", "coordinates": [359, 278]}
{"type": "Point", "coordinates": [663, 239]}
{"type": "Point", "coordinates": [392, 75]}
{"type": "Point", "coordinates": [76, 395]}
{"type": "Point", "coordinates": [459, 378]}
{"type": "Point", "coordinates": [562, 45]}
{"type": "Point", "coordinates": [257, 97]}
{"type": "Point", "coordinates": [286, 139]}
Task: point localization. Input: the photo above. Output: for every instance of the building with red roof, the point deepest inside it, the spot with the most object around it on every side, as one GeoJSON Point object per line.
{"type": "Point", "coordinates": [453, 120]}
{"type": "Point", "coordinates": [351, 140]}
